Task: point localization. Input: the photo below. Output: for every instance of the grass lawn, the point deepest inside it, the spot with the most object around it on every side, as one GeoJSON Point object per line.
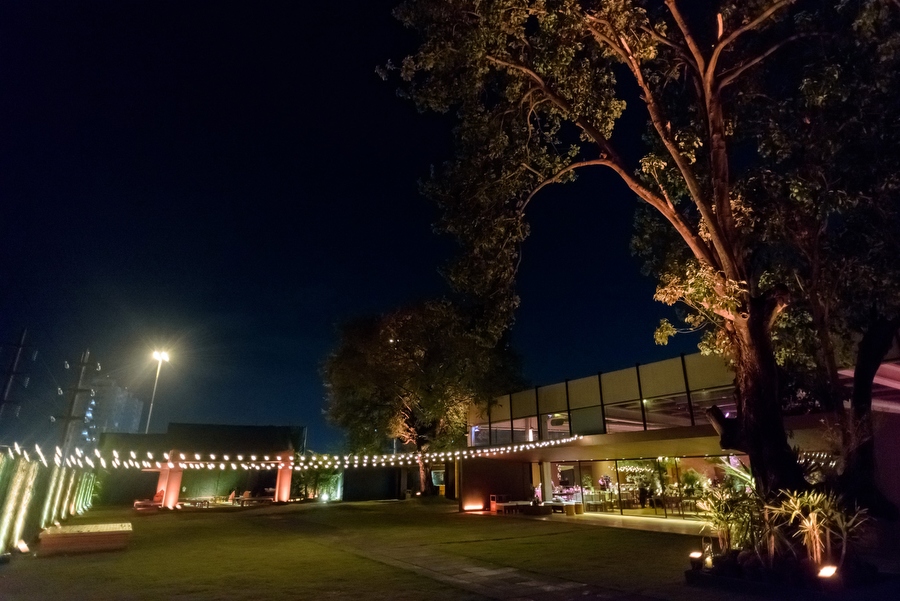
{"type": "Point", "coordinates": [313, 551]}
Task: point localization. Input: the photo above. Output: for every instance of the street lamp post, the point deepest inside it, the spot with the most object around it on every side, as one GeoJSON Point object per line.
{"type": "Point", "coordinates": [160, 357]}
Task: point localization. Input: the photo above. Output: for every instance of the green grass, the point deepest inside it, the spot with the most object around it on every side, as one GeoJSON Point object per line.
{"type": "Point", "coordinates": [306, 551]}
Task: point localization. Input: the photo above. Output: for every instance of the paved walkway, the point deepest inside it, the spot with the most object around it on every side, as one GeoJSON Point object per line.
{"type": "Point", "coordinates": [494, 581]}
{"type": "Point", "coordinates": [491, 581]}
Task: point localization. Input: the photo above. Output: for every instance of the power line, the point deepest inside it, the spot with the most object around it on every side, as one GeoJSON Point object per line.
{"type": "Point", "coordinates": [10, 378]}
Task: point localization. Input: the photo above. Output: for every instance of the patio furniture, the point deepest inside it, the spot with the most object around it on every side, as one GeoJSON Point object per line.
{"type": "Point", "coordinates": [150, 504]}
{"type": "Point", "coordinates": [198, 501]}
{"type": "Point", "coordinates": [245, 499]}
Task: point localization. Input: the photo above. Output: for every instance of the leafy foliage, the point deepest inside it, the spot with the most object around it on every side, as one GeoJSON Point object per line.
{"type": "Point", "coordinates": [539, 86]}
{"type": "Point", "coordinates": [732, 509]}
{"type": "Point", "coordinates": [741, 519]}
{"type": "Point", "coordinates": [413, 374]}
{"type": "Point", "coordinates": [819, 517]}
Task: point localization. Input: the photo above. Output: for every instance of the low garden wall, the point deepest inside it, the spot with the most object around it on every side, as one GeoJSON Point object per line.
{"type": "Point", "coordinates": [35, 494]}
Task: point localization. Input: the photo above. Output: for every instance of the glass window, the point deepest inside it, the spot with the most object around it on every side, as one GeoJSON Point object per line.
{"type": "Point", "coordinates": [696, 474]}
{"type": "Point", "coordinates": [478, 435]}
{"type": "Point", "coordinates": [704, 399]}
{"type": "Point", "coordinates": [587, 421]}
{"type": "Point", "coordinates": [624, 417]}
{"type": "Point", "coordinates": [501, 432]}
{"type": "Point", "coordinates": [600, 487]}
{"type": "Point", "coordinates": [554, 426]}
{"type": "Point", "coordinates": [642, 486]}
{"type": "Point", "coordinates": [667, 412]}
{"type": "Point", "coordinates": [565, 479]}
{"type": "Point", "coordinates": [525, 429]}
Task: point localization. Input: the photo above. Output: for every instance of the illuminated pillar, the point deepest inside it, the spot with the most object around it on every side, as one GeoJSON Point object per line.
{"type": "Point", "coordinates": [7, 515]}
{"type": "Point", "coordinates": [55, 479]}
{"type": "Point", "coordinates": [162, 482]}
{"type": "Point", "coordinates": [22, 514]}
{"type": "Point", "coordinates": [546, 482]}
{"type": "Point", "coordinates": [84, 491]}
{"type": "Point", "coordinates": [75, 504]}
{"type": "Point", "coordinates": [64, 506]}
{"type": "Point", "coordinates": [88, 492]}
{"type": "Point", "coordinates": [283, 481]}
{"type": "Point", "coordinates": [172, 488]}
{"type": "Point", "coordinates": [57, 496]}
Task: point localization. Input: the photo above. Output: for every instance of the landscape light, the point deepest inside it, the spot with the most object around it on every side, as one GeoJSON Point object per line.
{"type": "Point", "coordinates": [827, 571]}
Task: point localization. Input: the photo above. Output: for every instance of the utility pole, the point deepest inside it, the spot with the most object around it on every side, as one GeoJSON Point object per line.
{"type": "Point", "coordinates": [10, 377]}
{"type": "Point", "coordinates": [74, 392]}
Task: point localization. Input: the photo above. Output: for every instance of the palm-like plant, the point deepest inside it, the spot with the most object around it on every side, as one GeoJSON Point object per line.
{"type": "Point", "coordinates": [847, 528]}
{"type": "Point", "coordinates": [733, 509]}
{"type": "Point", "coordinates": [820, 517]}
{"type": "Point", "coordinates": [812, 513]}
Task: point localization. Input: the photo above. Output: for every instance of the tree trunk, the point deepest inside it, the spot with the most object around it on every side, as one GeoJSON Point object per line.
{"type": "Point", "coordinates": [423, 474]}
{"type": "Point", "coordinates": [761, 425]}
{"type": "Point", "coordinates": [830, 396]}
{"type": "Point", "coordinates": [858, 480]}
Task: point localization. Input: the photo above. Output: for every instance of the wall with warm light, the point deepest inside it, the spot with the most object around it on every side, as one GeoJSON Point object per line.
{"type": "Point", "coordinates": [35, 493]}
{"type": "Point", "coordinates": [374, 484]}
{"type": "Point", "coordinates": [482, 478]}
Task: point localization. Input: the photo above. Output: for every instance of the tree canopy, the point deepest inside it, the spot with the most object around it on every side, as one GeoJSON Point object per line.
{"type": "Point", "coordinates": [413, 375]}
{"type": "Point", "coordinates": [538, 87]}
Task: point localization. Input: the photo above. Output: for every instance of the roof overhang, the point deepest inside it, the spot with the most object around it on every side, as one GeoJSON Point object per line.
{"type": "Point", "coordinates": [805, 432]}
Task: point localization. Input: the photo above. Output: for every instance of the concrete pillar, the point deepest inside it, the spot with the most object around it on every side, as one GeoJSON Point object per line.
{"type": "Point", "coordinates": [162, 482]}
{"type": "Point", "coordinates": [546, 482]}
{"type": "Point", "coordinates": [283, 480]}
{"type": "Point", "coordinates": [173, 488]}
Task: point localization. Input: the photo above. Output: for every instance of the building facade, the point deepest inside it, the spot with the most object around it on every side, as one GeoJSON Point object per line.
{"type": "Point", "coordinates": [636, 441]}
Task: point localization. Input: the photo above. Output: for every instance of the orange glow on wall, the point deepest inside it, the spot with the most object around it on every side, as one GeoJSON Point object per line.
{"type": "Point", "coordinates": [283, 481]}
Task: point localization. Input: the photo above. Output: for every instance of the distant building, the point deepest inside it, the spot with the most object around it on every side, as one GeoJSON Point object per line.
{"type": "Point", "coordinates": [111, 408]}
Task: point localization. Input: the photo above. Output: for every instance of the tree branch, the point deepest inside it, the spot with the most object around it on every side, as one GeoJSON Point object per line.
{"type": "Point", "coordinates": [731, 75]}
{"type": "Point", "coordinates": [556, 177]}
{"type": "Point", "coordinates": [690, 179]}
{"type": "Point", "coordinates": [562, 104]}
{"type": "Point", "coordinates": [603, 38]}
{"type": "Point", "coordinates": [698, 247]}
{"type": "Point", "coordinates": [734, 35]}
{"type": "Point", "coordinates": [687, 58]}
{"type": "Point", "coordinates": [688, 37]}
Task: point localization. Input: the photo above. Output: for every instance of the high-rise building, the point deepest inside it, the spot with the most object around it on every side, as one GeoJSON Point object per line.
{"type": "Point", "coordinates": [110, 408]}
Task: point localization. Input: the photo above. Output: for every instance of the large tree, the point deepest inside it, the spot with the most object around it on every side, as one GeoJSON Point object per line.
{"type": "Point", "coordinates": [413, 375]}
{"type": "Point", "coordinates": [828, 184]}
{"type": "Point", "coordinates": [539, 85]}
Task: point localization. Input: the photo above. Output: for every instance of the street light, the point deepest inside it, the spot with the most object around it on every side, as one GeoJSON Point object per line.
{"type": "Point", "coordinates": [160, 357]}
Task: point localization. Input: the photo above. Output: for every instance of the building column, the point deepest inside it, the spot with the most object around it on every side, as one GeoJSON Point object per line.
{"type": "Point", "coordinates": [172, 487]}
{"type": "Point", "coordinates": [546, 482]}
{"type": "Point", "coordinates": [283, 480]}
{"type": "Point", "coordinates": [161, 483]}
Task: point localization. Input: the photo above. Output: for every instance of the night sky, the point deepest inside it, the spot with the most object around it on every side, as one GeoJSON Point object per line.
{"type": "Point", "coordinates": [231, 180]}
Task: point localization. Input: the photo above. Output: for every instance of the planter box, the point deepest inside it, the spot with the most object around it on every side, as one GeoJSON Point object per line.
{"type": "Point", "coordinates": [84, 539]}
